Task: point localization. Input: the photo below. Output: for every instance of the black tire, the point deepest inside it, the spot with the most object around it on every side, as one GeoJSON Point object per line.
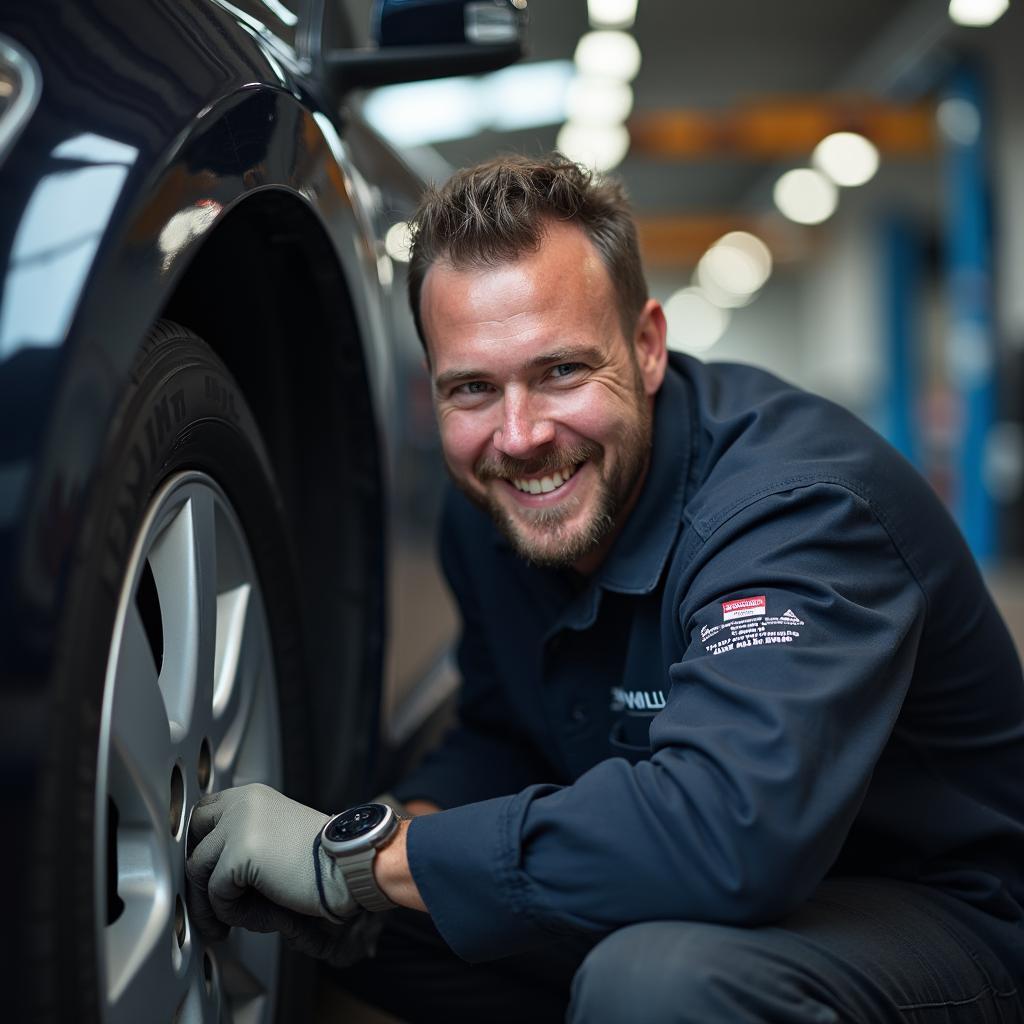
{"type": "Point", "coordinates": [181, 411]}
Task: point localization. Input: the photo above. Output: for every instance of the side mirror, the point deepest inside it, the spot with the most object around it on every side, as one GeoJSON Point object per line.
{"type": "Point", "coordinates": [421, 39]}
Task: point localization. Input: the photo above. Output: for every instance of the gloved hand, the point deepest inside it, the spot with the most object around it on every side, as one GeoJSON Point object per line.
{"type": "Point", "coordinates": [340, 945]}
{"type": "Point", "coordinates": [255, 857]}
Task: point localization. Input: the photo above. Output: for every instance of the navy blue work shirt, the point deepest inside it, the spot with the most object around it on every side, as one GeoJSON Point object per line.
{"type": "Point", "coordinates": [787, 667]}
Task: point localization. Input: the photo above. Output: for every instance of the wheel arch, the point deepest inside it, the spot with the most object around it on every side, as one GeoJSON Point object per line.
{"type": "Point", "coordinates": [267, 293]}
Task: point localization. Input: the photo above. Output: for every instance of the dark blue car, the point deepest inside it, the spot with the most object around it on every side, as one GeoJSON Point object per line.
{"type": "Point", "coordinates": [218, 468]}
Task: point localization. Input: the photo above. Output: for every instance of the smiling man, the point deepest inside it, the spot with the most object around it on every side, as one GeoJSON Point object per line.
{"type": "Point", "coordinates": [741, 733]}
{"type": "Point", "coordinates": [545, 414]}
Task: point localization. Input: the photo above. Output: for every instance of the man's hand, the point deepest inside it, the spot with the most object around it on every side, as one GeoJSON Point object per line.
{"type": "Point", "coordinates": [255, 858]}
{"type": "Point", "coordinates": [340, 945]}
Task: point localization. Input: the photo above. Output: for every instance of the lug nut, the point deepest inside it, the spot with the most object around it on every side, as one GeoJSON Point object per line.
{"type": "Point", "coordinates": [179, 921]}
{"type": "Point", "coordinates": [208, 972]}
{"type": "Point", "coordinates": [204, 768]}
{"type": "Point", "coordinates": [177, 800]}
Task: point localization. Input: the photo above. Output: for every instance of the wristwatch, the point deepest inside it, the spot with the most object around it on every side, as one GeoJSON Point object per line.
{"type": "Point", "coordinates": [352, 838]}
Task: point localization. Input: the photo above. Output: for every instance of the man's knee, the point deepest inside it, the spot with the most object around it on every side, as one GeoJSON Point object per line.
{"type": "Point", "coordinates": [677, 972]}
{"type": "Point", "coordinates": [663, 971]}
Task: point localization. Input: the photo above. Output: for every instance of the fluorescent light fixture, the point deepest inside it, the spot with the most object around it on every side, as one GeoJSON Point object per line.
{"type": "Point", "coordinates": [398, 241]}
{"type": "Point", "coordinates": [597, 146]}
{"type": "Point", "coordinates": [734, 268]}
{"type": "Point", "coordinates": [847, 158]}
{"type": "Point", "coordinates": [608, 53]}
{"type": "Point", "coordinates": [611, 13]}
{"type": "Point", "coordinates": [598, 100]}
{"type": "Point", "coordinates": [694, 323]}
{"type": "Point", "coordinates": [525, 95]}
{"type": "Point", "coordinates": [806, 196]}
{"type": "Point", "coordinates": [977, 13]}
{"type": "Point", "coordinates": [421, 113]}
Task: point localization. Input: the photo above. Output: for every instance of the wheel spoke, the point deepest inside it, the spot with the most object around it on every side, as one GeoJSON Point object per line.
{"type": "Point", "coordinates": [139, 944]}
{"type": "Point", "coordinates": [139, 732]}
{"type": "Point", "coordinates": [244, 686]}
{"type": "Point", "coordinates": [232, 621]}
{"type": "Point", "coordinates": [184, 563]}
{"type": "Point", "coordinates": [198, 1006]}
{"type": "Point", "coordinates": [247, 963]}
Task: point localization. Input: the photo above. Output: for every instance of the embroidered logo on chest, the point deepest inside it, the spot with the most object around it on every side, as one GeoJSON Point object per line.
{"type": "Point", "coordinates": [637, 701]}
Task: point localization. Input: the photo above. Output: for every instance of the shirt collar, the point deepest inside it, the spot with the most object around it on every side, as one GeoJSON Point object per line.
{"type": "Point", "coordinates": [637, 558]}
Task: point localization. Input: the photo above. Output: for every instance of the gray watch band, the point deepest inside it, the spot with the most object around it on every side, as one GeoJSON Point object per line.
{"type": "Point", "coordinates": [358, 872]}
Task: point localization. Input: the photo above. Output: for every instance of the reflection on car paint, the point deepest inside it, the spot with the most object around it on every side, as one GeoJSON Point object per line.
{"type": "Point", "coordinates": [57, 239]}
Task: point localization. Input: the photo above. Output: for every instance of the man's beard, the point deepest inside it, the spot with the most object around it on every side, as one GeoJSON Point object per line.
{"type": "Point", "coordinates": [558, 547]}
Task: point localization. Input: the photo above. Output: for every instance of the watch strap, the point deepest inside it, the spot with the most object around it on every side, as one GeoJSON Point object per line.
{"type": "Point", "coordinates": [358, 872]}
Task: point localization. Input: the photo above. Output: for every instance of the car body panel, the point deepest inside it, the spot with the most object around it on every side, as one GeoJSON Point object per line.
{"type": "Point", "coordinates": [145, 175]}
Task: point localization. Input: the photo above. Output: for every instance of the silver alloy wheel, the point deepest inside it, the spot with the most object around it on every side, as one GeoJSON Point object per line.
{"type": "Point", "coordinates": [189, 706]}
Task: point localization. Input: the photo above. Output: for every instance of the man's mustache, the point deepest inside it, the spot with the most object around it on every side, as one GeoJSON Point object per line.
{"type": "Point", "coordinates": [504, 467]}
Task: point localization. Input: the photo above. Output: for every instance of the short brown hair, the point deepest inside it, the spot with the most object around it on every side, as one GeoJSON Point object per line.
{"type": "Point", "coordinates": [495, 212]}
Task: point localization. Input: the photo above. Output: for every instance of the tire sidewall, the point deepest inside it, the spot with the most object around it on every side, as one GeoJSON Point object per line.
{"type": "Point", "coordinates": [182, 411]}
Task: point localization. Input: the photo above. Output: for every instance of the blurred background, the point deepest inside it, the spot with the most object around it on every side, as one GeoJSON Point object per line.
{"type": "Point", "coordinates": [834, 191]}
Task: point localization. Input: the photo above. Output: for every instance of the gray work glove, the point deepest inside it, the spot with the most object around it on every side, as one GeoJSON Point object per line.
{"type": "Point", "coordinates": [340, 945]}
{"type": "Point", "coordinates": [254, 858]}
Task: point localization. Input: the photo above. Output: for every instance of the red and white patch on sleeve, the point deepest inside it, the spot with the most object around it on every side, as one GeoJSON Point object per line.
{"type": "Point", "coordinates": [743, 608]}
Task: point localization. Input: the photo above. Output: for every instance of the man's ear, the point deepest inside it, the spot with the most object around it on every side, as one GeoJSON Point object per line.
{"type": "Point", "coordinates": [649, 343]}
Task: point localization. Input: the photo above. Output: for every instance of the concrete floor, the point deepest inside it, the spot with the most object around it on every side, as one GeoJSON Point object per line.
{"type": "Point", "coordinates": [335, 1007]}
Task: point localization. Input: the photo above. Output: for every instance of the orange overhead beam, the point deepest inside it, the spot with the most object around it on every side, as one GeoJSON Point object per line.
{"type": "Point", "coordinates": [782, 129]}
{"type": "Point", "coordinates": [679, 241]}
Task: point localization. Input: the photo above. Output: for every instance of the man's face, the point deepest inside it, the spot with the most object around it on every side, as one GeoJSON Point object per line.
{"type": "Point", "coordinates": [544, 406]}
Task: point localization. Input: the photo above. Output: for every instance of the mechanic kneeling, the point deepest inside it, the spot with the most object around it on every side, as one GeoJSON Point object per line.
{"type": "Point", "coordinates": [741, 733]}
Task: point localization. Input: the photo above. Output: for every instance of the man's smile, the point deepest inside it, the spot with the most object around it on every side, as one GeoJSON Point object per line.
{"type": "Point", "coordinates": [545, 484]}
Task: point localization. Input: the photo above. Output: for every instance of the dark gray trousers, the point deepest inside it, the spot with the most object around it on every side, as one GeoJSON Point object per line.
{"type": "Point", "coordinates": [870, 951]}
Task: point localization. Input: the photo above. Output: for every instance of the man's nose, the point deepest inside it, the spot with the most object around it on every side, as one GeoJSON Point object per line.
{"type": "Point", "coordinates": [523, 428]}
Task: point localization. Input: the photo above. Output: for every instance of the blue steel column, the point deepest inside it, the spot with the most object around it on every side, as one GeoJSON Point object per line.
{"type": "Point", "coordinates": [972, 355]}
{"type": "Point", "coordinates": [901, 290]}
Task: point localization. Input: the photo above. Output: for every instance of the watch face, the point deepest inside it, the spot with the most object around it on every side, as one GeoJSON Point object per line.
{"type": "Point", "coordinates": [355, 822]}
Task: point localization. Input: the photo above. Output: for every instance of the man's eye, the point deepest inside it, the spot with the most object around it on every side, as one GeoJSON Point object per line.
{"type": "Point", "coordinates": [565, 369]}
{"type": "Point", "coordinates": [473, 387]}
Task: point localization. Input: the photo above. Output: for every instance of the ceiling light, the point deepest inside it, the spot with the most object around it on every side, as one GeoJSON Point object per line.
{"type": "Point", "coordinates": [734, 268]}
{"type": "Point", "coordinates": [847, 158]}
{"type": "Point", "coordinates": [597, 146]}
{"type": "Point", "coordinates": [421, 113]}
{"type": "Point", "coordinates": [694, 323]}
{"type": "Point", "coordinates": [611, 13]}
{"type": "Point", "coordinates": [806, 196]}
{"type": "Point", "coordinates": [719, 296]}
{"type": "Point", "coordinates": [959, 120]}
{"type": "Point", "coordinates": [977, 13]}
{"type": "Point", "coordinates": [598, 100]}
{"type": "Point", "coordinates": [398, 241]}
{"type": "Point", "coordinates": [608, 53]}
{"type": "Point", "coordinates": [524, 95]}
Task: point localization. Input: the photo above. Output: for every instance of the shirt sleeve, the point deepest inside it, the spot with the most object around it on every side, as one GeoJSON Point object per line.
{"type": "Point", "coordinates": [486, 753]}
{"type": "Point", "coordinates": [760, 758]}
